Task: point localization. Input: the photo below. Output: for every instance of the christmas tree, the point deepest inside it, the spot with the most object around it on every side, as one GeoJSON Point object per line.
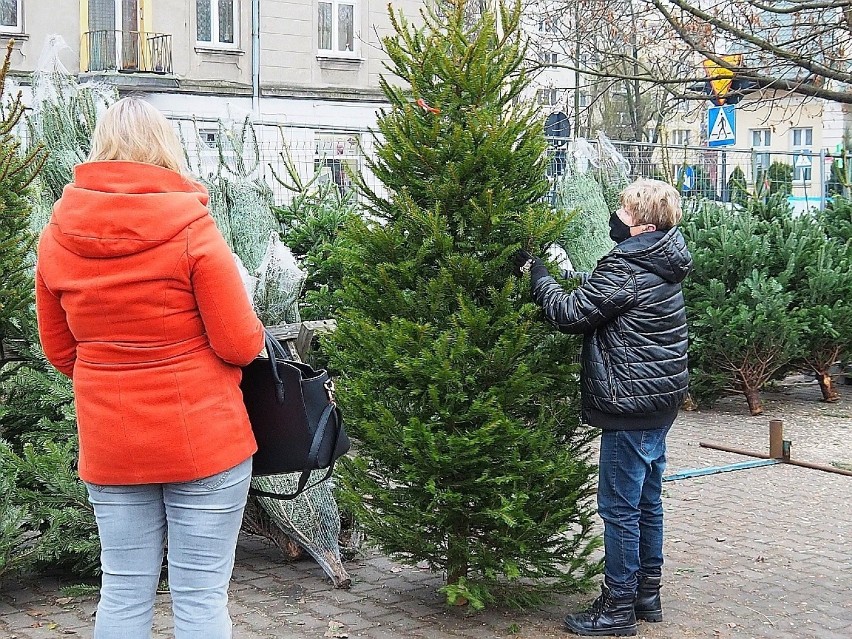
{"type": "Point", "coordinates": [45, 518]}
{"type": "Point", "coordinates": [742, 333]}
{"type": "Point", "coordinates": [311, 224]}
{"type": "Point", "coordinates": [471, 458]}
{"type": "Point", "coordinates": [16, 239]}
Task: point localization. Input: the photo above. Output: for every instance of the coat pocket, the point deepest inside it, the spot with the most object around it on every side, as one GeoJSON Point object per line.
{"type": "Point", "coordinates": [610, 377]}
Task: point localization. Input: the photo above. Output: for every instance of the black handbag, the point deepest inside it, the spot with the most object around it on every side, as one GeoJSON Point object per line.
{"type": "Point", "coordinates": [296, 422]}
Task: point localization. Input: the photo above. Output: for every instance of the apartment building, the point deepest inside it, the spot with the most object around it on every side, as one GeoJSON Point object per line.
{"type": "Point", "coordinates": [804, 133]}
{"type": "Point", "coordinates": [310, 65]}
{"type": "Point", "coordinates": [307, 61]}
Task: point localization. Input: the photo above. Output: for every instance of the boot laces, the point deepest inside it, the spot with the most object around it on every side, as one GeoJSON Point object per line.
{"type": "Point", "coordinates": [600, 604]}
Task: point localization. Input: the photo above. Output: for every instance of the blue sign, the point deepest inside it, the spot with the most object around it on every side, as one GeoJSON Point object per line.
{"type": "Point", "coordinates": [686, 177]}
{"type": "Point", "coordinates": [721, 126]}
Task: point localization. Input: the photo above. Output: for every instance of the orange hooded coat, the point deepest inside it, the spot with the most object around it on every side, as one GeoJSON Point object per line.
{"type": "Point", "coordinates": [139, 301]}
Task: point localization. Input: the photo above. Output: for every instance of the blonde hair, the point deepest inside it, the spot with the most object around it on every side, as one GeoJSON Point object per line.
{"type": "Point", "coordinates": [133, 130]}
{"type": "Point", "coordinates": [652, 202]}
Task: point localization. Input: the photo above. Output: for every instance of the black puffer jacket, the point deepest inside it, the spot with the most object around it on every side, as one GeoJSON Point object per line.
{"type": "Point", "coordinates": [631, 312]}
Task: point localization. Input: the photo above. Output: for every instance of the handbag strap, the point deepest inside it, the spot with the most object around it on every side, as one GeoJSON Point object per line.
{"type": "Point", "coordinates": [313, 454]}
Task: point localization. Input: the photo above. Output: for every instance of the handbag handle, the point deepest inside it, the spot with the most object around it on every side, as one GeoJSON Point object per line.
{"type": "Point", "coordinates": [275, 351]}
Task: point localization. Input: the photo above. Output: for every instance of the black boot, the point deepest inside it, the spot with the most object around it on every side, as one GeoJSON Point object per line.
{"type": "Point", "coordinates": [648, 606]}
{"type": "Point", "coordinates": [608, 616]}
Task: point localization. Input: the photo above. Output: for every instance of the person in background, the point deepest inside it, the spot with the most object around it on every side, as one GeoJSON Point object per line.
{"type": "Point", "coordinates": [630, 311]}
{"type": "Point", "coordinates": [140, 303]}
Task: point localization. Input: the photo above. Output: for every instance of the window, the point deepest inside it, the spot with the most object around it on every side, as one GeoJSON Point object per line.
{"type": "Point", "coordinates": [802, 139]}
{"type": "Point", "coordinates": [337, 156]}
{"type": "Point", "coordinates": [549, 97]}
{"type": "Point", "coordinates": [336, 27]}
{"type": "Point", "coordinates": [10, 16]}
{"type": "Point", "coordinates": [548, 23]}
{"type": "Point", "coordinates": [681, 137]}
{"type": "Point", "coordinates": [216, 22]}
{"type": "Point", "coordinates": [548, 57]}
{"type": "Point", "coordinates": [210, 137]}
{"type": "Point", "coordinates": [761, 138]}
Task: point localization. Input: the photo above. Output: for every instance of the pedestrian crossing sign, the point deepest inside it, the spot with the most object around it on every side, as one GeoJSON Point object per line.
{"type": "Point", "coordinates": [803, 161]}
{"type": "Point", "coordinates": [721, 126]}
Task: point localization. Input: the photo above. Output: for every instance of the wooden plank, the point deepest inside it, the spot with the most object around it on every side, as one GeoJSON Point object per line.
{"type": "Point", "coordinates": [285, 332]}
{"type": "Point", "coordinates": [303, 342]}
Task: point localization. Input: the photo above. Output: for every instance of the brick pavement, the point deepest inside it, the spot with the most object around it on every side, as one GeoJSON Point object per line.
{"type": "Point", "coordinates": [753, 553]}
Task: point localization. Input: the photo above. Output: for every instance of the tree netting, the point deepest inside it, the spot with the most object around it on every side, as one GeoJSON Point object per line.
{"type": "Point", "coordinates": [240, 202]}
{"type": "Point", "coordinates": [595, 176]}
{"type": "Point", "coordinates": [279, 283]}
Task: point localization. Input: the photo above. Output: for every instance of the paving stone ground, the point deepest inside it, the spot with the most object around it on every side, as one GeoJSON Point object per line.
{"type": "Point", "coordinates": [755, 553]}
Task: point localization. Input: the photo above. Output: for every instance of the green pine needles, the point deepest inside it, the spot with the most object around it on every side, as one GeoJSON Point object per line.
{"type": "Point", "coordinates": [471, 458]}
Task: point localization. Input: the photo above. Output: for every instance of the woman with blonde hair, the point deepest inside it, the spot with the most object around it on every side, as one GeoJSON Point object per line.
{"type": "Point", "coordinates": [140, 303]}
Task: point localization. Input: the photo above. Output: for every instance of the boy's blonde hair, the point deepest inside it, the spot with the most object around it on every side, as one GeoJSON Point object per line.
{"type": "Point", "coordinates": [652, 202]}
{"type": "Point", "coordinates": [133, 130]}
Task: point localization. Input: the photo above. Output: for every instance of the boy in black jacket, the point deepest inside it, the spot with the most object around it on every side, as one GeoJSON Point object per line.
{"type": "Point", "coordinates": [631, 313]}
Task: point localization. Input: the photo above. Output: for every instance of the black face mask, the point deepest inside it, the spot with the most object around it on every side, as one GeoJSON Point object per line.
{"type": "Point", "coordinates": [618, 230]}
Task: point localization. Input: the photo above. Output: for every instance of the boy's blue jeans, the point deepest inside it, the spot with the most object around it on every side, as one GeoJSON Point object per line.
{"type": "Point", "coordinates": [631, 506]}
{"type": "Point", "coordinates": [201, 520]}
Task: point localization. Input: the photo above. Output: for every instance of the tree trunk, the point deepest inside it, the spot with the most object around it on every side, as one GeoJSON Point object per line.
{"type": "Point", "coordinates": [752, 396]}
{"type": "Point", "coordinates": [457, 563]}
{"type": "Point", "coordinates": [826, 385]}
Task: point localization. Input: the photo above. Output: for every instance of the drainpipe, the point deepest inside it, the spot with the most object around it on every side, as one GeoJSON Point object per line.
{"type": "Point", "coordinates": [255, 57]}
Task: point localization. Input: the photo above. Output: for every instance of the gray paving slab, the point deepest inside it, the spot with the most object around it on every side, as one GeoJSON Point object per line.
{"type": "Point", "coordinates": [758, 553]}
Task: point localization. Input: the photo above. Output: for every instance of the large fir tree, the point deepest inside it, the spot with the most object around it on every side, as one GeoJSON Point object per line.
{"type": "Point", "coordinates": [17, 170]}
{"type": "Point", "coordinates": [471, 457]}
{"type": "Point", "coordinates": [53, 522]}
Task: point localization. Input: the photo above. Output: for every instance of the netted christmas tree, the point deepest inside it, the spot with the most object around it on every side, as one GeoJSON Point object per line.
{"type": "Point", "coordinates": [311, 224]}
{"type": "Point", "coordinates": [586, 239]}
{"type": "Point", "coordinates": [471, 457]}
{"type": "Point", "coordinates": [241, 204]}
{"type": "Point", "coordinates": [589, 190]}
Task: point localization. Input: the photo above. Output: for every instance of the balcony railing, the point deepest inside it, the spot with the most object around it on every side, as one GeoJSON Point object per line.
{"type": "Point", "coordinates": [128, 51]}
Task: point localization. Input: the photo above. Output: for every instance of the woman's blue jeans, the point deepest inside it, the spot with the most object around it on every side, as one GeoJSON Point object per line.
{"type": "Point", "coordinates": [631, 505]}
{"type": "Point", "coordinates": [201, 520]}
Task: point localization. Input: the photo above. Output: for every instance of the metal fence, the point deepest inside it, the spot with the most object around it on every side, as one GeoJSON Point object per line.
{"type": "Point", "coordinates": [127, 51]}
{"type": "Point", "coordinates": [263, 150]}
{"type": "Point", "coordinates": [270, 151]}
{"type": "Point", "coordinates": [724, 174]}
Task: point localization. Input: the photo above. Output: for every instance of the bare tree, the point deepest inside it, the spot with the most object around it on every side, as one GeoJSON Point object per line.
{"type": "Point", "coordinates": [619, 50]}
{"type": "Point", "coordinates": [788, 46]}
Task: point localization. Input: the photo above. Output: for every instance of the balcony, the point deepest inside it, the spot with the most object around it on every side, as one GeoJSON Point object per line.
{"type": "Point", "coordinates": [128, 52]}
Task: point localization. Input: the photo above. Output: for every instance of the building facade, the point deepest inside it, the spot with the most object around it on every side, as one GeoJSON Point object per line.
{"type": "Point", "coordinates": [306, 71]}
{"type": "Point", "coordinates": [310, 61]}
{"type": "Point", "coordinates": [806, 134]}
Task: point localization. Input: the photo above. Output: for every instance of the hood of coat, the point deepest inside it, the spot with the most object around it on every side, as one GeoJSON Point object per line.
{"type": "Point", "coordinates": [117, 208]}
{"type": "Point", "coordinates": [661, 252]}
